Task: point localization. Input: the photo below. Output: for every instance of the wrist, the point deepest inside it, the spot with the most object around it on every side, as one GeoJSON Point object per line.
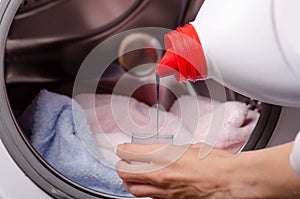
{"type": "Point", "coordinates": [244, 176]}
{"type": "Point", "coordinates": [264, 174]}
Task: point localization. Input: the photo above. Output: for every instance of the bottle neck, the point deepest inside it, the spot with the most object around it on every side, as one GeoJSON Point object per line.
{"type": "Point", "coordinates": [184, 57]}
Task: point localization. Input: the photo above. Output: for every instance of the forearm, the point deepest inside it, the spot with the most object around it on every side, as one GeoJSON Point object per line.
{"type": "Point", "coordinates": [264, 174]}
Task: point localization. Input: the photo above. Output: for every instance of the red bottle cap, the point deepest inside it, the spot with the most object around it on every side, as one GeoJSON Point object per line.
{"type": "Point", "coordinates": [184, 55]}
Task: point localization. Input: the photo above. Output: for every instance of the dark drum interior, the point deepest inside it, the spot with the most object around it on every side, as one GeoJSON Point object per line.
{"type": "Point", "coordinates": [48, 40]}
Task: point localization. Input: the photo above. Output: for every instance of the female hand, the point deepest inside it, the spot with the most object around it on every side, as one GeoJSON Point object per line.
{"type": "Point", "coordinates": [171, 171]}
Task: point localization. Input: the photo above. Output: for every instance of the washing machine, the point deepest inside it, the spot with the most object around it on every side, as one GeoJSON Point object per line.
{"type": "Point", "coordinates": [43, 44]}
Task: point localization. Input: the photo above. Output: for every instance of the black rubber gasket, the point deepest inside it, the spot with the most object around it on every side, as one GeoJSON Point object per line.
{"type": "Point", "coordinates": [264, 128]}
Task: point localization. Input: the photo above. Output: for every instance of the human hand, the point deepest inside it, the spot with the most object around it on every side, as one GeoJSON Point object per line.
{"type": "Point", "coordinates": [174, 171]}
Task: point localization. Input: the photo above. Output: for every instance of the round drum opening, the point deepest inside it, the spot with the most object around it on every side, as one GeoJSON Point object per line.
{"type": "Point", "coordinates": [44, 82]}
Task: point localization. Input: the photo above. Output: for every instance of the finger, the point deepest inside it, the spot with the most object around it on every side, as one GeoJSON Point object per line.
{"type": "Point", "coordinates": [127, 175]}
{"type": "Point", "coordinates": [196, 145]}
{"type": "Point", "coordinates": [140, 148]}
{"type": "Point", "coordinates": [160, 157]}
{"type": "Point", "coordinates": [133, 172]}
{"type": "Point", "coordinates": [134, 168]}
{"type": "Point", "coordinates": [140, 153]}
{"type": "Point", "coordinates": [145, 190]}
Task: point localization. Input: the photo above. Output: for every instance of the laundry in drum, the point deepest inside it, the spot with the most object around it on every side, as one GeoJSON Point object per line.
{"type": "Point", "coordinates": [78, 136]}
{"type": "Point", "coordinates": [60, 132]}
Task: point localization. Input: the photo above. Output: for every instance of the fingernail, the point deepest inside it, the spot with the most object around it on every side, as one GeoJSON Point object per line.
{"type": "Point", "coordinates": [116, 150]}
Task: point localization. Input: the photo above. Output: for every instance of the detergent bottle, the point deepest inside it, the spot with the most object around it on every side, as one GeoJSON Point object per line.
{"type": "Point", "coordinates": [250, 46]}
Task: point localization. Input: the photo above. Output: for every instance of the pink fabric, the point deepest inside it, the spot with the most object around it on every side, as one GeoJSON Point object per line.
{"type": "Point", "coordinates": [191, 119]}
{"type": "Point", "coordinates": [225, 125]}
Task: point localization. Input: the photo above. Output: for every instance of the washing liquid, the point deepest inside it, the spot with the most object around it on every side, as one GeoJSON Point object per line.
{"type": "Point", "coordinates": [157, 78]}
{"type": "Point", "coordinates": [249, 46]}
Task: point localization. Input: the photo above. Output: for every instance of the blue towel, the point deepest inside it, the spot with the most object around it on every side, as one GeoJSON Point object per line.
{"type": "Point", "coordinates": [50, 123]}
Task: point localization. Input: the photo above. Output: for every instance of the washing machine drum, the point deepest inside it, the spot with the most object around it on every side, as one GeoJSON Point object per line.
{"type": "Point", "coordinates": [44, 43]}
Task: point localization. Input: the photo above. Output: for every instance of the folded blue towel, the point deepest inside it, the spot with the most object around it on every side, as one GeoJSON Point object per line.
{"type": "Point", "coordinates": [50, 123]}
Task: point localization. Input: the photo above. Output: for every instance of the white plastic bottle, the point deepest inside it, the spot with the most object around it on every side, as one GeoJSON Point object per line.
{"type": "Point", "coordinates": [252, 46]}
